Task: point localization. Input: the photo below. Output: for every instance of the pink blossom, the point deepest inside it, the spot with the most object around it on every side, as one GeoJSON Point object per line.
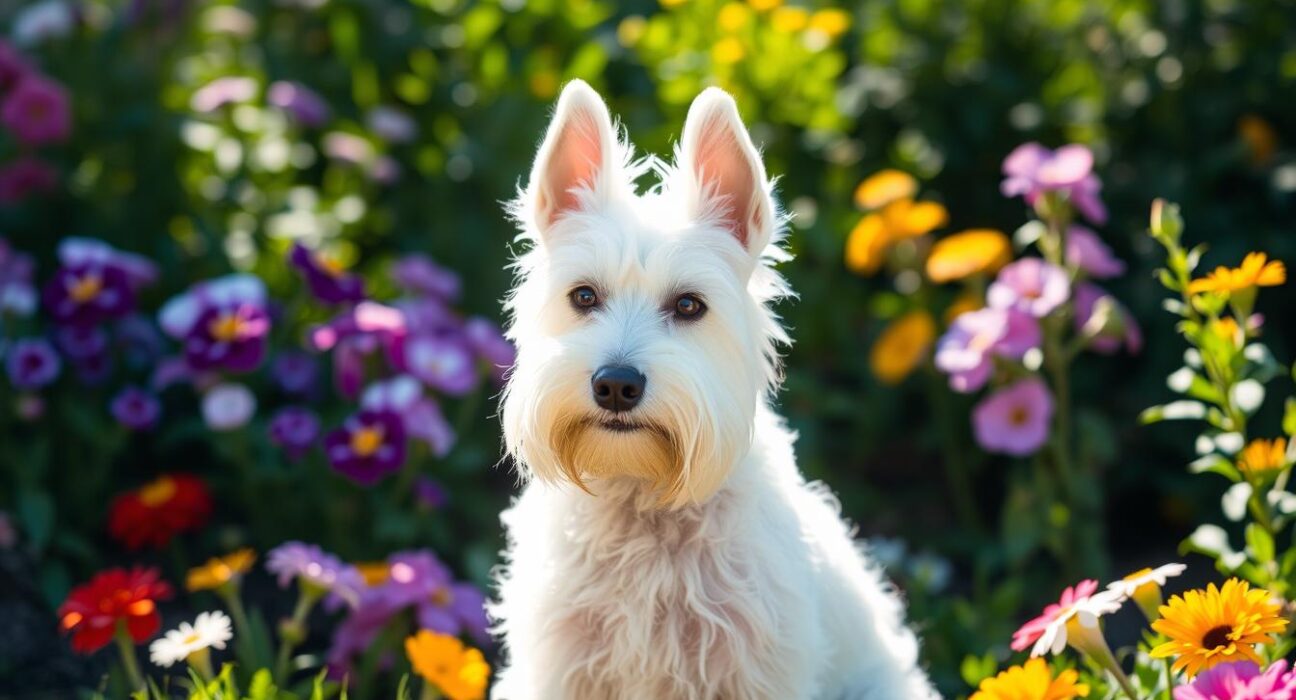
{"type": "Point", "coordinates": [1241, 680]}
{"type": "Point", "coordinates": [1085, 250]}
{"type": "Point", "coordinates": [1048, 632]}
{"type": "Point", "coordinates": [1126, 329]}
{"type": "Point", "coordinates": [1030, 285]}
{"type": "Point", "coordinates": [967, 350]}
{"type": "Point", "coordinates": [1032, 170]}
{"type": "Point", "coordinates": [1014, 420]}
{"type": "Point", "coordinates": [37, 111]}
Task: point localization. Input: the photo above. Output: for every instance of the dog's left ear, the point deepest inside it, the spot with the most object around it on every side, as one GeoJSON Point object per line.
{"type": "Point", "coordinates": [728, 176]}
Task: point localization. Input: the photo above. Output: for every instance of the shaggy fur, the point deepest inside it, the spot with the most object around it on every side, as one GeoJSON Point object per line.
{"type": "Point", "coordinates": [683, 556]}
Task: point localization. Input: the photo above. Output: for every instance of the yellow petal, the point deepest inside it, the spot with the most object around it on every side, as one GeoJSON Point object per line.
{"type": "Point", "coordinates": [883, 187]}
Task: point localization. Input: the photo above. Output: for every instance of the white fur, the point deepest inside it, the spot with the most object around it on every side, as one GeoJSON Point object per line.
{"type": "Point", "coordinates": [689, 559]}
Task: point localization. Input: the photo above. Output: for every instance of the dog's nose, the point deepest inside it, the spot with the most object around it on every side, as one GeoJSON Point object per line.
{"type": "Point", "coordinates": [618, 388]}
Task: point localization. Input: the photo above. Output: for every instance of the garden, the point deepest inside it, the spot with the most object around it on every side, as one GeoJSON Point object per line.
{"type": "Point", "coordinates": [252, 258]}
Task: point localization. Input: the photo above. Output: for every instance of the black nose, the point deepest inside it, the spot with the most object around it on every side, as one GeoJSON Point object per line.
{"type": "Point", "coordinates": [618, 388]}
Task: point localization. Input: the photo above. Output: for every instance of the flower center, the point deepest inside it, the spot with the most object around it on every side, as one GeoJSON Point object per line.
{"type": "Point", "coordinates": [367, 440]}
{"type": "Point", "coordinates": [191, 638]}
{"type": "Point", "coordinates": [442, 597]}
{"type": "Point", "coordinates": [1217, 637]}
{"type": "Point", "coordinates": [86, 288]}
{"type": "Point", "coordinates": [1018, 416]}
{"type": "Point", "coordinates": [226, 328]}
{"type": "Point", "coordinates": [158, 492]}
{"type": "Point", "coordinates": [330, 265]}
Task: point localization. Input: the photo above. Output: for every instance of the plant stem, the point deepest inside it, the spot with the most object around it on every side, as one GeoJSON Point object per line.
{"type": "Point", "coordinates": [126, 647]}
{"type": "Point", "coordinates": [430, 691]}
{"type": "Point", "coordinates": [293, 632]}
{"type": "Point", "coordinates": [956, 467]}
{"type": "Point", "coordinates": [1169, 679]}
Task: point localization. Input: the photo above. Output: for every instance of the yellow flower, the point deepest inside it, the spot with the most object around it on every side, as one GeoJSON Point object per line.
{"type": "Point", "coordinates": [883, 187]}
{"type": "Point", "coordinates": [1032, 681]}
{"type": "Point", "coordinates": [1217, 625]}
{"type": "Point", "coordinates": [733, 17]}
{"type": "Point", "coordinates": [970, 252]}
{"type": "Point", "coordinates": [906, 218]}
{"type": "Point", "coordinates": [963, 303]}
{"type": "Point", "coordinates": [901, 346]}
{"type": "Point", "coordinates": [790, 20]}
{"type": "Point", "coordinates": [1262, 455]}
{"type": "Point", "coordinates": [219, 571]}
{"type": "Point", "coordinates": [763, 5]}
{"type": "Point", "coordinates": [1259, 138]}
{"type": "Point", "coordinates": [1256, 271]}
{"type": "Point", "coordinates": [867, 245]}
{"type": "Point", "coordinates": [727, 51]}
{"type": "Point", "coordinates": [833, 22]}
{"type": "Point", "coordinates": [631, 30]}
{"type": "Point", "coordinates": [459, 672]}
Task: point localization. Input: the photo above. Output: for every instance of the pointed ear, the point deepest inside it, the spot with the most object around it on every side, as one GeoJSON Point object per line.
{"type": "Point", "coordinates": [727, 172]}
{"type": "Point", "coordinates": [580, 157]}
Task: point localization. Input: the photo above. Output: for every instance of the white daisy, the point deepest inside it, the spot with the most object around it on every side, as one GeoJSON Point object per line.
{"type": "Point", "coordinates": [1144, 587]}
{"type": "Point", "coordinates": [210, 630]}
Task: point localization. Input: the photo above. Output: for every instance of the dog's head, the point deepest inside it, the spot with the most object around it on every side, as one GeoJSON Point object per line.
{"type": "Point", "coordinates": [645, 341]}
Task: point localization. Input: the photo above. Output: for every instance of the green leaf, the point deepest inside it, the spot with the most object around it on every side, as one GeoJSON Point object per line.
{"type": "Point", "coordinates": [1289, 417]}
{"type": "Point", "coordinates": [1175, 410]}
{"type": "Point", "coordinates": [975, 669]}
{"type": "Point", "coordinates": [1215, 464]}
{"type": "Point", "coordinates": [1259, 543]}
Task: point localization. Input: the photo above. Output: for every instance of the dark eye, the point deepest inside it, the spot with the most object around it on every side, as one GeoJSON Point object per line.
{"type": "Point", "coordinates": [689, 306]}
{"type": "Point", "coordinates": [584, 298]}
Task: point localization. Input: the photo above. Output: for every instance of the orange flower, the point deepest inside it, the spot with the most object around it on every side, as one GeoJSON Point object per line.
{"type": "Point", "coordinates": [1259, 137]}
{"type": "Point", "coordinates": [1212, 626]}
{"type": "Point", "coordinates": [902, 346]}
{"type": "Point", "coordinates": [975, 251]}
{"type": "Point", "coordinates": [459, 672]}
{"type": "Point", "coordinates": [219, 571]}
{"type": "Point", "coordinates": [867, 245]}
{"type": "Point", "coordinates": [1262, 455]}
{"type": "Point", "coordinates": [1032, 681]}
{"type": "Point", "coordinates": [906, 218]}
{"type": "Point", "coordinates": [883, 187]}
{"type": "Point", "coordinates": [1256, 271]}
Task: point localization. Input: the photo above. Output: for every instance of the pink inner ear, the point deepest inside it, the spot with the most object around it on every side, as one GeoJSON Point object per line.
{"type": "Point", "coordinates": [574, 162]}
{"type": "Point", "coordinates": [724, 171]}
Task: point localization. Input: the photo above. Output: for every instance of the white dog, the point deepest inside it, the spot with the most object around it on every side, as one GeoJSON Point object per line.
{"type": "Point", "coordinates": [665, 545]}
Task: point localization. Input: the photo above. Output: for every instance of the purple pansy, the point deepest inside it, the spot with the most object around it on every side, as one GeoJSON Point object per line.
{"type": "Point", "coordinates": [294, 430]}
{"type": "Point", "coordinates": [967, 350]}
{"type": "Point", "coordinates": [1130, 335]}
{"type": "Point", "coordinates": [327, 280]}
{"type": "Point", "coordinates": [355, 334]}
{"type": "Point", "coordinates": [444, 362]}
{"type": "Point", "coordinates": [37, 111]}
{"type": "Point", "coordinates": [136, 409]}
{"type": "Point", "coordinates": [490, 344]}
{"type": "Point", "coordinates": [223, 323]}
{"type": "Point", "coordinates": [1032, 170]}
{"type": "Point", "coordinates": [369, 446]}
{"type": "Point", "coordinates": [95, 282]}
{"type": "Point", "coordinates": [1086, 251]}
{"type": "Point", "coordinates": [421, 415]}
{"type": "Point", "coordinates": [304, 104]}
{"type": "Point", "coordinates": [1014, 420]}
{"type": "Point", "coordinates": [419, 274]}
{"type": "Point", "coordinates": [1241, 680]}
{"type": "Point", "coordinates": [315, 568]}
{"type": "Point", "coordinates": [32, 363]}
{"type": "Point", "coordinates": [1030, 285]}
{"type": "Point", "coordinates": [295, 372]}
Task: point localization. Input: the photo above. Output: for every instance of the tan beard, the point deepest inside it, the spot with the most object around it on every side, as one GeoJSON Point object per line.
{"type": "Point", "coordinates": [651, 454]}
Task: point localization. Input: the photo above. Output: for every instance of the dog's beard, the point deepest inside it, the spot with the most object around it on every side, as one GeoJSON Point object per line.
{"type": "Point", "coordinates": [589, 448]}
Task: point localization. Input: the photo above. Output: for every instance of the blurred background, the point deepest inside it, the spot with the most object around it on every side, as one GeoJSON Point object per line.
{"type": "Point", "coordinates": [212, 136]}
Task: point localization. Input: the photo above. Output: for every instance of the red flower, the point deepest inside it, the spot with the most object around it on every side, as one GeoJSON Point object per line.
{"type": "Point", "coordinates": [93, 611]}
{"type": "Point", "coordinates": [159, 510]}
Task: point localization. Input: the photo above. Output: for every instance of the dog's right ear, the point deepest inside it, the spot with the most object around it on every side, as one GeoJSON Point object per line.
{"type": "Point", "coordinates": [579, 162]}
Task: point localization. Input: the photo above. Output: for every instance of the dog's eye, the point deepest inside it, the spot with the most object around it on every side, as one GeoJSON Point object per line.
{"type": "Point", "coordinates": [688, 306]}
{"type": "Point", "coordinates": [584, 298]}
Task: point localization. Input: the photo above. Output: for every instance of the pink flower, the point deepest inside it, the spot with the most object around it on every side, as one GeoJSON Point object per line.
{"type": "Point", "coordinates": [1014, 420]}
{"type": "Point", "coordinates": [1241, 680]}
{"type": "Point", "coordinates": [24, 177]}
{"type": "Point", "coordinates": [1123, 331]}
{"type": "Point", "coordinates": [1085, 250]}
{"type": "Point", "coordinates": [1031, 170]}
{"type": "Point", "coordinates": [1048, 632]}
{"type": "Point", "coordinates": [37, 111]}
{"type": "Point", "coordinates": [967, 350]}
{"type": "Point", "coordinates": [1030, 285]}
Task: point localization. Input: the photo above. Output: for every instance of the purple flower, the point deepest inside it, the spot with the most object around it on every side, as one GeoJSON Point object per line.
{"type": "Point", "coordinates": [1241, 680]}
{"type": "Point", "coordinates": [304, 104]}
{"type": "Point", "coordinates": [369, 446]}
{"type": "Point", "coordinates": [294, 430]}
{"type": "Point", "coordinates": [418, 274]}
{"type": "Point", "coordinates": [490, 344]}
{"type": "Point", "coordinates": [32, 363]}
{"type": "Point", "coordinates": [327, 280]}
{"type": "Point", "coordinates": [95, 282]}
{"type": "Point", "coordinates": [391, 124]}
{"type": "Point", "coordinates": [444, 362]}
{"type": "Point", "coordinates": [967, 350]}
{"type": "Point", "coordinates": [1086, 251]}
{"type": "Point", "coordinates": [223, 323]}
{"type": "Point", "coordinates": [81, 342]}
{"type": "Point", "coordinates": [136, 409]}
{"type": "Point", "coordinates": [168, 372]}
{"type": "Point", "coordinates": [12, 66]}
{"type": "Point", "coordinates": [25, 176]}
{"type": "Point", "coordinates": [1014, 420]}
{"type": "Point", "coordinates": [295, 372]}
{"type": "Point", "coordinates": [139, 340]}
{"type": "Point", "coordinates": [1030, 285]}
{"type": "Point", "coordinates": [1032, 170]}
{"type": "Point", "coordinates": [317, 569]}
{"type": "Point", "coordinates": [355, 334]}
{"type": "Point", "coordinates": [422, 417]}
{"type": "Point", "coordinates": [17, 295]}
{"type": "Point", "coordinates": [425, 315]}
{"type": "Point", "coordinates": [429, 493]}
{"type": "Point", "coordinates": [228, 407]}
{"type": "Point", "coordinates": [88, 252]}
{"type": "Point", "coordinates": [36, 111]}
{"type": "Point", "coordinates": [1123, 331]}
{"type": "Point", "coordinates": [221, 92]}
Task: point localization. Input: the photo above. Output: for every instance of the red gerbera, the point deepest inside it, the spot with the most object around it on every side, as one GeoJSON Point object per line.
{"type": "Point", "coordinates": [159, 510]}
{"type": "Point", "coordinates": [93, 611]}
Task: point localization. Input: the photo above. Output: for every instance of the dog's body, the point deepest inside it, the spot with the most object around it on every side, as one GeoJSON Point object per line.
{"type": "Point", "coordinates": [665, 544]}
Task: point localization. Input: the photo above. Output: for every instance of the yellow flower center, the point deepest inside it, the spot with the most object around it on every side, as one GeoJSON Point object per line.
{"type": "Point", "coordinates": [366, 441]}
{"type": "Point", "coordinates": [192, 638]}
{"type": "Point", "coordinates": [226, 328]}
{"type": "Point", "coordinates": [331, 265]}
{"type": "Point", "coordinates": [85, 288]}
{"type": "Point", "coordinates": [442, 597]}
{"type": "Point", "coordinates": [157, 492]}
